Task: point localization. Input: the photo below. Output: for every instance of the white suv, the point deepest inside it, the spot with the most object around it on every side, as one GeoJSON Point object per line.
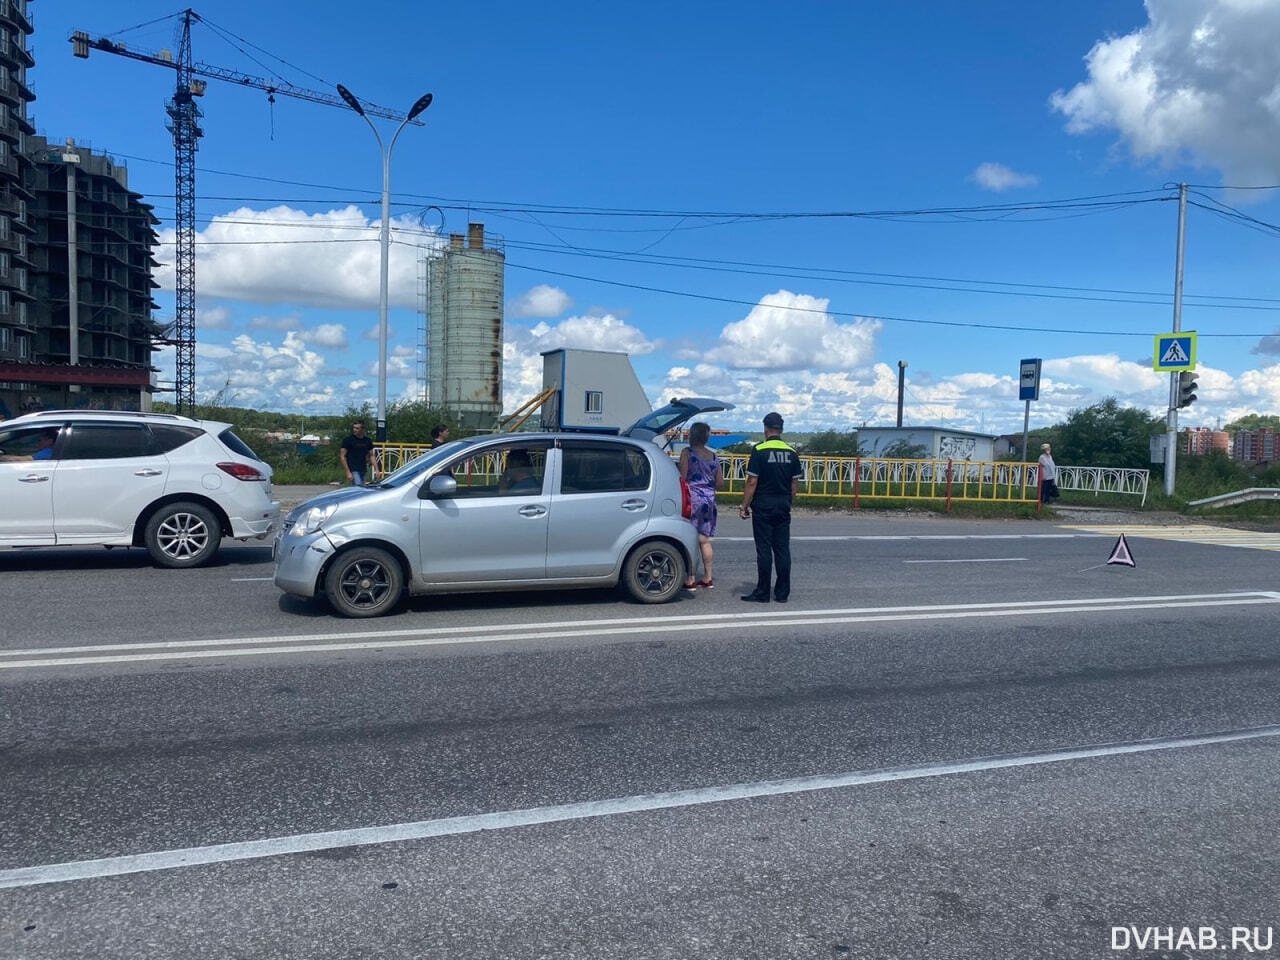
{"type": "Point", "coordinates": [172, 484]}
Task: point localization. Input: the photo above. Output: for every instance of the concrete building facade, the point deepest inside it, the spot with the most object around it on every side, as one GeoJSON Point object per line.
{"type": "Point", "coordinates": [1256, 446]}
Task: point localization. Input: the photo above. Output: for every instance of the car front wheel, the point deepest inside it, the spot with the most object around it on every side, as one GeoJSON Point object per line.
{"type": "Point", "coordinates": [654, 572]}
{"type": "Point", "coordinates": [182, 535]}
{"type": "Point", "coordinates": [364, 582]}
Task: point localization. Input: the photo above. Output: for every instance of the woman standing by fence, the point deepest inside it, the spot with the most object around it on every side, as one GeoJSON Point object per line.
{"type": "Point", "coordinates": [700, 468]}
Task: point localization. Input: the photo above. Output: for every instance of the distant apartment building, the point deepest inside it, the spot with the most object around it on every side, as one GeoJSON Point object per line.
{"type": "Point", "coordinates": [76, 325]}
{"type": "Point", "coordinates": [92, 251]}
{"type": "Point", "coordinates": [1256, 446]}
{"type": "Point", "coordinates": [1202, 440]}
{"type": "Point", "coordinates": [16, 333]}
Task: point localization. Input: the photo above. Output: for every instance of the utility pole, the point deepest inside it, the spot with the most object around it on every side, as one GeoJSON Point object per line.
{"type": "Point", "coordinates": [1171, 424]}
{"type": "Point", "coordinates": [902, 381]}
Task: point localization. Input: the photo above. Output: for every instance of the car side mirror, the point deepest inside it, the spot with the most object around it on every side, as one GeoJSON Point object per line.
{"type": "Point", "coordinates": [441, 485]}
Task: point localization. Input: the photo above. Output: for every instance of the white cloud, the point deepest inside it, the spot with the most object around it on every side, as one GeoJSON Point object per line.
{"type": "Point", "coordinates": [213, 318]}
{"type": "Point", "coordinates": [793, 331]}
{"type": "Point", "coordinates": [372, 333]}
{"type": "Point", "coordinates": [1199, 82]}
{"type": "Point", "coordinates": [998, 177]}
{"type": "Point", "coordinates": [282, 255]}
{"type": "Point", "coordinates": [1268, 346]}
{"type": "Point", "coordinates": [331, 336]}
{"type": "Point", "coordinates": [541, 301]}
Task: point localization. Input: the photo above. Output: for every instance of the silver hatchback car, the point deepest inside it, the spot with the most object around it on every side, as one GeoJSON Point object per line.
{"type": "Point", "coordinates": [502, 512]}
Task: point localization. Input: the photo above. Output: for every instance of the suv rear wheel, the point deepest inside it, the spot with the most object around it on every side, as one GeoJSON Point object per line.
{"type": "Point", "coordinates": [364, 582]}
{"type": "Point", "coordinates": [654, 572]}
{"type": "Point", "coordinates": [182, 535]}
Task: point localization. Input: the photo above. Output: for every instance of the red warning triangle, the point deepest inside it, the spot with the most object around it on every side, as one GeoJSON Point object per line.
{"type": "Point", "coordinates": [1120, 553]}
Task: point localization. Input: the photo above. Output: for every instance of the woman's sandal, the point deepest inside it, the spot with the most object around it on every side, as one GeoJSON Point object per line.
{"type": "Point", "coordinates": [705, 583]}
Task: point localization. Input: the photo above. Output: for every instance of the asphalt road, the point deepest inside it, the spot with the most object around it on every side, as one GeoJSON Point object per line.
{"type": "Point", "coordinates": [958, 740]}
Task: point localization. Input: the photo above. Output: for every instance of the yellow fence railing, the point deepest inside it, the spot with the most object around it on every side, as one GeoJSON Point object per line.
{"type": "Point", "coordinates": [851, 478]}
{"type": "Point", "coordinates": [872, 478]}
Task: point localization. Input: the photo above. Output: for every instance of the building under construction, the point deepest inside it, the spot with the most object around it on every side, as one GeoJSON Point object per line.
{"type": "Point", "coordinates": [460, 347]}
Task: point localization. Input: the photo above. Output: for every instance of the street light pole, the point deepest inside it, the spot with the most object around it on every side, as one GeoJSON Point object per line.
{"type": "Point", "coordinates": [384, 239]}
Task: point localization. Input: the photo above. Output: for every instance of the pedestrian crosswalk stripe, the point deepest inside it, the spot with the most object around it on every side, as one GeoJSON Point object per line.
{"type": "Point", "coordinates": [1190, 533]}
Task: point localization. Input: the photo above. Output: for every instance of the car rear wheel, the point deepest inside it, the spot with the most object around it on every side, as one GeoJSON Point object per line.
{"type": "Point", "coordinates": [364, 582]}
{"type": "Point", "coordinates": [182, 535]}
{"type": "Point", "coordinates": [654, 572]}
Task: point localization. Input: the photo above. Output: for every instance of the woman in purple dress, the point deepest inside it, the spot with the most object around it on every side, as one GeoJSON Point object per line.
{"type": "Point", "coordinates": [700, 468]}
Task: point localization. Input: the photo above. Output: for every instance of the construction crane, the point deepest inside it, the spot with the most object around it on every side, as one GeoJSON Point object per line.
{"type": "Point", "coordinates": [184, 124]}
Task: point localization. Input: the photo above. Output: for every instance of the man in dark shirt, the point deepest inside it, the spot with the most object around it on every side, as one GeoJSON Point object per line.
{"type": "Point", "coordinates": [355, 454]}
{"type": "Point", "coordinates": [773, 478]}
{"type": "Point", "coordinates": [439, 435]}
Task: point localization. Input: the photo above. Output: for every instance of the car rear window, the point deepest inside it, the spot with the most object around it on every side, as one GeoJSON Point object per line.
{"type": "Point", "coordinates": [236, 445]}
{"type": "Point", "coordinates": [171, 437]}
{"type": "Point", "coordinates": [603, 469]}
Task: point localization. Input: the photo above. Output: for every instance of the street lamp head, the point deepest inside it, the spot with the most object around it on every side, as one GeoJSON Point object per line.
{"type": "Point", "coordinates": [422, 103]}
{"type": "Point", "coordinates": [350, 97]}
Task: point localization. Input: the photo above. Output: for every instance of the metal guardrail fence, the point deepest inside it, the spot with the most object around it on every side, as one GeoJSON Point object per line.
{"type": "Point", "coordinates": [855, 478]}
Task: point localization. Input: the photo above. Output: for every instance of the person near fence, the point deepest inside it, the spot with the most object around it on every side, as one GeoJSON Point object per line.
{"type": "Point", "coordinates": [773, 480]}
{"type": "Point", "coordinates": [1048, 474]}
{"type": "Point", "coordinates": [439, 435]}
{"type": "Point", "coordinates": [700, 468]}
{"type": "Point", "coordinates": [354, 454]}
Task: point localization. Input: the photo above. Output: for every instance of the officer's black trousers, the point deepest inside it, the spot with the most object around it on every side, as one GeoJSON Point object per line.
{"type": "Point", "coordinates": [771, 527]}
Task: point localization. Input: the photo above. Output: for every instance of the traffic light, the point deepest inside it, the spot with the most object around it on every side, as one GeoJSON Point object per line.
{"type": "Point", "coordinates": [1186, 388]}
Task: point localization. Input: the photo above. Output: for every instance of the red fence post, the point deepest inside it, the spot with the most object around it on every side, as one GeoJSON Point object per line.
{"type": "Point", "coordinates": [948, 486]}
{"type": "Point", "coordinates": [857, 473]}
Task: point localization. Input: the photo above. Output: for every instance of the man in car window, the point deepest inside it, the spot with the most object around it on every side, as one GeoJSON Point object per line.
{"type": "Point", "coordinates": [44, 449]}
{"type": "Point", "coordinates": [519, 477]}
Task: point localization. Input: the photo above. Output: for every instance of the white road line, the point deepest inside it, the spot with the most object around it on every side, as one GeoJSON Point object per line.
{"type": "Point", "coordinates": [972, 560]}
{"type": "Point", "coordinates": [920, 536]}
{"type": "Point", "coordinates": [594, 809]}
{"type": "Point", "coordinates": [595, 629]}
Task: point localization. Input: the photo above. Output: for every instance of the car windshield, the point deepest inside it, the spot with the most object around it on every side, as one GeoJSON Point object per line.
{"type": "Point", "coordinates": [414, 468]}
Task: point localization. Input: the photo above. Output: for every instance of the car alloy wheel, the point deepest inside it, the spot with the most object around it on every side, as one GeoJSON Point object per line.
{"type": "Point", "coordinates": [364, 582]}
{"type": "Point", "coordinates": [654, 572]}
{"type": "Point", "coordinates": [182, 535]}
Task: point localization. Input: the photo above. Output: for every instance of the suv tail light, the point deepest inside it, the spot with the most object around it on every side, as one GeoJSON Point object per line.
{"type": "Point", "coordinates": [686, 502]}
{"type": "Point", "coordinates": [241, 471]}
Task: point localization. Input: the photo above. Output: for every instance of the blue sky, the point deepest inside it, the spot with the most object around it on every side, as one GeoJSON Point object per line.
{"type": "Point", "coordinates": [663, 117]}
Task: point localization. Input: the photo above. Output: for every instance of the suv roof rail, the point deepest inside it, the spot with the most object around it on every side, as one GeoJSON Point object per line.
{"type": "Point", "coordinates": [99, 413]}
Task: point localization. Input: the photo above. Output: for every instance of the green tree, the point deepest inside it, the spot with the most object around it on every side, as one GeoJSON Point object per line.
{"type": "Point", "coordinates": [1254, 421]}
{"type": "Point", "coordinates": [1106, 435]}
{"type": "Point", "coordinates": [834, 443]}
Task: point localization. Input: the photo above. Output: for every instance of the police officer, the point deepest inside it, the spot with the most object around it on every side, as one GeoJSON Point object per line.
{"type": "Point", "coordinates": [773, 478]}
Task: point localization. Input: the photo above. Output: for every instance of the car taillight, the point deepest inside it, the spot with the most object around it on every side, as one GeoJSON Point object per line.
{"type": "Point", "coordinates": [241, 471]}
{"type": "Point", "coordinates": [686, 502]}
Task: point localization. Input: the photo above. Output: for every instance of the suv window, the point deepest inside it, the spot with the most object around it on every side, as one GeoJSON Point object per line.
{"type": "Point", "coordinates": [171, 437]}
{"type": "Point", "coordinates": [108, 441]}
{"type": "Point", "coordinates": [19, 443]}
{"type": "Point", "coordinates": [514, 471]}
{"type": "Point", "coordinates": [236, 445]}
{"type": "Point", "coordinates": [603, 469]}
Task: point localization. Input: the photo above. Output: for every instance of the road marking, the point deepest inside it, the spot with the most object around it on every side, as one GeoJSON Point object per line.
{"type": "Point", "coordinates": [592, 809]}
{"type": "Point", "coordinates": [972, 560]}
{"type": "Point", "coordinates": [929, 536]}
{"type": "Point", "coordinates": [494, 633]}
{"type": "Point", "coordinates": [1192, 533]}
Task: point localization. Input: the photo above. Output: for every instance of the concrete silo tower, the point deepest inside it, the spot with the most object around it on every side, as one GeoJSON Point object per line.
{"type": "Point", "coordinates": [462, 328]}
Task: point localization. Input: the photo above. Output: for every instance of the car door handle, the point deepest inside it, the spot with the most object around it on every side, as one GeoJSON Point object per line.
{"type": "Point", "coordinates": [148, 472]}
{"type": "Point", "coordinates": [532, 511]}
{"type": "Point", "coordinates": [34, 478]}
{"type": "Point", "coordinates": [634, 505]}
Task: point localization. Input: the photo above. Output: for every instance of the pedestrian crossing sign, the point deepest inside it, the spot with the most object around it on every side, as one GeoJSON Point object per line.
{"type": "Point", "coordinates": [1175, 351]}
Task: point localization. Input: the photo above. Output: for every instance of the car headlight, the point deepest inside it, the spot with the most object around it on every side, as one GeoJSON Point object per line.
{"type": "Point", "coordinates": [313, 519]}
